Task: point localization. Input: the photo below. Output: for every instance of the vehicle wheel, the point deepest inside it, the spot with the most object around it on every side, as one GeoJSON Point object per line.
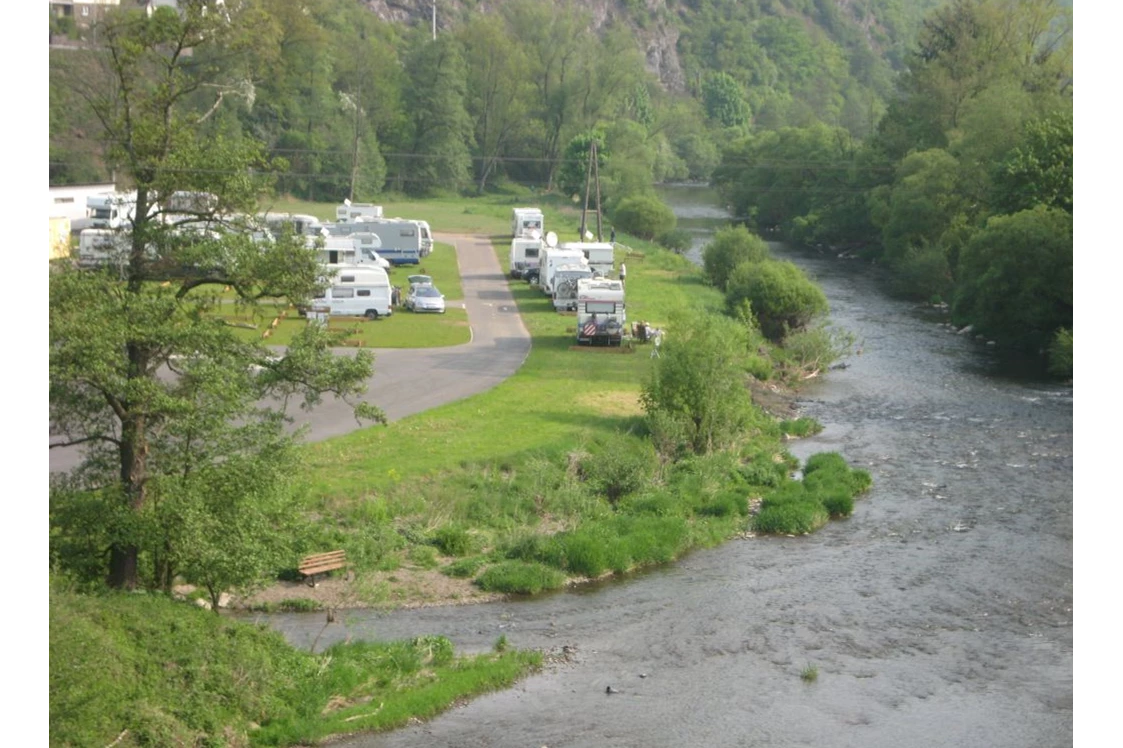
{"type": "Point", "coordinates": [372, 314]}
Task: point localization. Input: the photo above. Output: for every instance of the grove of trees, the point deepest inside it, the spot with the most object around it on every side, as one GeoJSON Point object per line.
{"type": "Point", "coordinates": [964, 191]}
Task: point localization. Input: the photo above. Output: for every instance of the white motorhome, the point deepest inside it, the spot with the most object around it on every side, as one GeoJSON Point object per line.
{"type": "Point", "coordinates": [349, 212]}
{"type": "Point", "coordinates": [525, 221]}
{"type": "Point", "coordinates": [426, 238]}
{"type": "Point", "coordinates": [114, 210]}
{"type": "Point", "coordinates": [551, 259]}
{"type": "Point", "coordinates": [600, 312]}
{"type": "Point", "coordinates": [565, 286]}
{"type": "Point", "coordinates": [357, 291]}
{"type": "Point", "coordinates": [524, 256]}
{"type": "Point", "coordinates": [400, 237]}
{"type": "Point", "coordinates": [355, 249]}
{"type": "Point", "coordinates": [98, 247]}
{"type": "Point", "coordinates": [302, 224]}
{"type": "Point", "coordinates": [599, 254]}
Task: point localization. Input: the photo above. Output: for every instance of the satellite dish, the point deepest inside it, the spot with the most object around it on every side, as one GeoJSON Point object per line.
{"type": "Point", "coordinates": [588, 235]}
{"type": "Point", "coordinates": [551, 239]}
{"type": "Point", "coordinates": [535, 234]}
{"type": "Point", "coordinates": [347, 202]}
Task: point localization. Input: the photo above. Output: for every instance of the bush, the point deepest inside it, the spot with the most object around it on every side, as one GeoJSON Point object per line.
{"type": "Point", "coordinates": [729, 248]}
{"type": "Point", "coordinates": [814, 349]}
{"type": "Point", "coordinates": [519, 577]}
{"type": "Point", "coordinates": [824, 461]}
{"type": "Point", "coordinates": [618, 466]}
{"type": "Point", "coordinates": [454, 540]}
{"type": "Point", "coordinates": [791, 517]}
{"type": "Point", "coordinates": [800, 427]}
{"type": "Point", "coordinates": [1060, 354]}
{"type": "Point", "coordinates": [677, 241]}
{"type": "Point", "coordinates": [725, 504]}
{"type": "Point", "coordinates": [424, 556]}
{"type": "Point", "coordinates": [464, 567]}
{"type": "Point", "coordinates": [645, 217]}
{"type": "Point", "coordinates": [922, 273]}
{"type": "Point", "coordinates": [838, 502]}
{"type": "Point", "coordinates": [782, 297]}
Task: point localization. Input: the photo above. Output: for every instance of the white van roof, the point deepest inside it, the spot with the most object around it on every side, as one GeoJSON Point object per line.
{"type": "Point", "coordinates": [359, 274]}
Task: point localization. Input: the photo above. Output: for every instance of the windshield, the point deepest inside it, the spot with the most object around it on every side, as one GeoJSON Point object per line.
{"type": "Point", "coordinates": [427, 291]}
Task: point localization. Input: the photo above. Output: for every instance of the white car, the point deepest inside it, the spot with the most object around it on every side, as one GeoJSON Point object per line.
{"type": "Point", "coordinates": [424, 297]}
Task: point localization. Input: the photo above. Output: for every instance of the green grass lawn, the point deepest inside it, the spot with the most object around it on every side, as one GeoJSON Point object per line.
{"type": "Point", "coordinates": [558, 398]}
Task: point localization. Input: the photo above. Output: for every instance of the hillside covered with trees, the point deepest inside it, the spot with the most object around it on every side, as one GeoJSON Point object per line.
{"type": "Point", "coordinates": [361, 98]}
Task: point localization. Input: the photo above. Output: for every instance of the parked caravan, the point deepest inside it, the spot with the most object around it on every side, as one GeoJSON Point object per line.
{"type": "Point", "coordinates": [526, 221]}
{"type": "Point", "coordinates": [600, 312]}
{"type": "Point", "coordinates": [565, 286]}
{"type": "Point", "coordinates": [349, 212]}
{"type": "Point", "coordinates": [357, 291]}
{"type": "Point", "coordinates": [524, 257]}
{"type": "Point", "coordinates": [356, 249]}
{"type": "Point", "coordinates": [114, 210]}
{"type": "Point", "coordinates": [401, 240]}
{"type": "Point", "coordinates": [551, 259]}
{"type": "Point", "coordinates": [599, 255]}
{"type": "Point", "coordinates": [426, 238]}
{"type": "Point", "coordinates": [301, 223]}
{"type": "Point", "coordinates": [98, 247]}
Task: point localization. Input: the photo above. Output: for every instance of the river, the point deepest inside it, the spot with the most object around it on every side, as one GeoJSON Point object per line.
{"type": "Point", "coordinates": [940, 614]}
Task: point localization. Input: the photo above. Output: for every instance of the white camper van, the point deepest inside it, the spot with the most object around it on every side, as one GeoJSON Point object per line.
{"type": "Point", "coordinates": [349, 212]}
{"type": "Point", "coordinates": [301, 223]}
{"type": "Point", "coordinates": [524, 221]}
{"type": "Point", "coordinates": [565, 286]}
{"type": "Point", "coordinates": [98, 247]}
{"type": "Point", "coordinates": [114, 210]}
{"type": "Point", "coordinates": [524, 256]}
{"type": "Point", "coordinates": [355, 249]}
{"type": "Point", "coordinates": [552, 259]}
{"type": "Point", "coordinates": [600, 312]}
{"type": "Point", "coordinates": [357, 291]}
{"type": "Point", "coordinates": [599, 255]}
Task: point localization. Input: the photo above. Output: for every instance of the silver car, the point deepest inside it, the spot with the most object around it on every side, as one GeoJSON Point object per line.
{"type": "Point", "coordinates": [424, 297]}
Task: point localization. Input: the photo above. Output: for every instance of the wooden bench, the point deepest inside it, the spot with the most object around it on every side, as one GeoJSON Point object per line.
{"type": "Point", "coordinates": [321, 563]}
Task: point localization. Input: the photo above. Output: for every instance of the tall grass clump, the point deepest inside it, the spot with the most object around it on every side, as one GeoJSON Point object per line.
{"type": "Point", "coordinates": [800, 427]}
{"type": "Point", "coordinates": [520, 577]}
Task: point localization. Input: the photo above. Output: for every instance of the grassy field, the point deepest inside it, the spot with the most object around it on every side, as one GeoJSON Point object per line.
{"type": "Point", "coordinates": [558, 398]}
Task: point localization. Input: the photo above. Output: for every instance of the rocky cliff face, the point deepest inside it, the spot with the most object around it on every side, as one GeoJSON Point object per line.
{"type": "Point", "coordinates": [658, 38]}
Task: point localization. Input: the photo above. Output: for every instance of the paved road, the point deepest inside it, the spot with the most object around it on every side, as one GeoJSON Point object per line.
{"type": "Point", "coordinates": [408, 381]}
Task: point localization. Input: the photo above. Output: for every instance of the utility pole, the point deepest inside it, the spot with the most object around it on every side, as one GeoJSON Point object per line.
{"type": "Point", "coordinates": [434, 20]}
{"type": "Point", "coordinates": [588, 176]}
{"type": "Point", "coordinates": [592, 171]}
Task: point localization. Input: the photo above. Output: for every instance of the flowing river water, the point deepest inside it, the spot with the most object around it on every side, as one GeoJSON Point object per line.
{"type": "Point", "coordinates": [940, 614]}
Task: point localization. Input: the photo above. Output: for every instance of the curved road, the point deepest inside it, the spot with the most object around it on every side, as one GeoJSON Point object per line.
{"type": "Point", "coordinates": [411, 380]}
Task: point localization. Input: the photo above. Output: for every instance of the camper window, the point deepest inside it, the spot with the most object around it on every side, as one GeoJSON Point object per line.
{"type": "Point", "coordinates": [339, 292]}
{"type": "Point", "coordinates": [531, 252]}
{"type": "Point", "coordinates": [347, 278]}
{"type": "Point", "coordinates": [600, 307]}
{"type": "Point", "coordinates": [362, 292]}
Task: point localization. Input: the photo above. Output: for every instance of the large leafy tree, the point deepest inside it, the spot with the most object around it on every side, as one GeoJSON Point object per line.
{"type": "Point", "coordinates": [1017, 278]}
{"type": "Point", "coordinates": [168, 403]}
{"type": "Point", "coordinates": [440, 126]}
{"type": "Point", "coordinates": [498, 91]}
